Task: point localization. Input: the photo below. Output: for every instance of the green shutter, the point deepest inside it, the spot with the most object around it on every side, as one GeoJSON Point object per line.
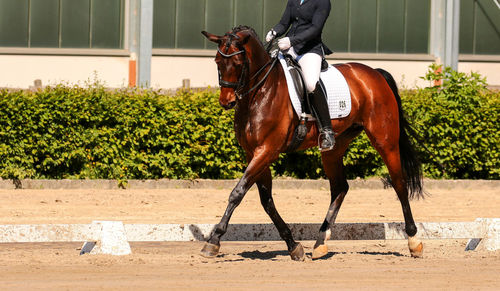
{"type": "Point", "coordinates": [190, 22]}
{"type": "Point", "coordinates": [44, 20]}
{"type": "Point", "coordinates": [417, 26]}
{"type": "Point", "coordinates": [466, 26]}
{"type": "Point", "coordinates": [391, 31]}
{"type": "Point", "coordinates": [75, 23]}
{"type": "Point", "coordinates": [363, 25]}
{"type": "Point", "coordinates": [106, 23]}
{"type": "Point", "coordinates": [368, 26]}
{"type": "Point", "coordinates": [14, 23]}
{"type": "Point", "coordinates": [250, 13]}
{"type": "Point", "coordinates": [336, 30]}
{"type": "Point", "coordinates": [219, 18]}
{"type": "Point", "coordinates": [487, 28]}
{"type": "Point", "coordinates": [164, 24]}
{"type": "Point", "coordinates": [273, 10]}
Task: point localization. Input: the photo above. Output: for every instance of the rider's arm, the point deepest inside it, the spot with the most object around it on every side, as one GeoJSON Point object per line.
{"type": "Point", "coordinates": [285, 21]}
{"type": "Point", "coordinates": [318, 21]}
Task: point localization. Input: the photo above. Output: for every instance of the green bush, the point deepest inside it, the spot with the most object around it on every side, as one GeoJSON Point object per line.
{"type": "Point", "coordinates": [93, 132]}
{"type": "Point", "coordinates": [75, 132]}
{"type": "Point", "coordinates": [457, 127]}
{"type": "Point", "coordinates": [458, 124]}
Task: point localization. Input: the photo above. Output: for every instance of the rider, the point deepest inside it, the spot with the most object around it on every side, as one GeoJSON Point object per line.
{"type": "Point", "coordinates": [303, 42]}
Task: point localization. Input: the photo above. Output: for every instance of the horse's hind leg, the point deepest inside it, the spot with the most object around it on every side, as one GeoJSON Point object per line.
{"type": "Point", "coordinates": [389, 150]}
{"type": "Point", "coordinates": [393, 162]}
{"type": "Point", "coordinates": [265, 191]}
{"type": "Point", "coordinates": [334, 169]}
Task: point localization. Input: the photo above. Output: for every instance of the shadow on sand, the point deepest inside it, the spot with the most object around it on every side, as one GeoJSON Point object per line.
{"type": "Point", "coordinates": [272, 255]}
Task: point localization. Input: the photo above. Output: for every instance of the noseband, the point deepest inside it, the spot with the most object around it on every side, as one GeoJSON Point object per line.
{"type": "Point", "coordinates": [241, 80]}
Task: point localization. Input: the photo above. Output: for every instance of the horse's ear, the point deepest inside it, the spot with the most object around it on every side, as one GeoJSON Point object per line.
{"type": "Point", "coordinates": [212, 37]}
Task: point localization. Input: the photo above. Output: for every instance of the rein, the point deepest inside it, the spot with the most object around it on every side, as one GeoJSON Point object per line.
{"type": "Point", "coordinates": [241, 80]}
{"type": "Point", "coordinates": [272, 62]}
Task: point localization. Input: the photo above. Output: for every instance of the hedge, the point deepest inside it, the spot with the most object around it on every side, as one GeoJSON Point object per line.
{"type": "Point", "coordinates": [458, 123]}
{"type": "Point", "coordinates": [97, 133]}
{"type": "Point", "coordinates": [75, 132]}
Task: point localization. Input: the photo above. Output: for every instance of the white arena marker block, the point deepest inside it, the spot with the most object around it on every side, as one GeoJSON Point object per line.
{"type": "Point", "coordinates": [490, 239]}
{"type": "Point", "coordinates": [111, 240]}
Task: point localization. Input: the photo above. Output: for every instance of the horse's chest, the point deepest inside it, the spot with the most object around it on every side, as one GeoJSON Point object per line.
{"type": "Point", "coordinates": [246, 131]}
{"type": "Point", "coordinates": [253, 125]}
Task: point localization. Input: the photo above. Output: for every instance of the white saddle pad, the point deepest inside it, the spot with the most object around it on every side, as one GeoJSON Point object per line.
{"type": "Point", "coordinates": [339, 95]}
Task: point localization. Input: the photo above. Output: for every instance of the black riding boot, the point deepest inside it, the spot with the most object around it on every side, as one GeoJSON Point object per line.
{"type": "Point", "coordinates": [326, 139]}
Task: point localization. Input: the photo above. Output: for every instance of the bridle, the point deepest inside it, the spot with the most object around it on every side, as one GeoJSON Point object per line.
{"type": "Point", "coordinates": [238, 86]}
{"type": "Point", "coordinates": [241, 80]}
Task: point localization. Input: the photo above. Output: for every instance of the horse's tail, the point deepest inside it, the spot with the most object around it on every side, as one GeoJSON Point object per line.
{"type": "Point", "coordinates": [412, 169]}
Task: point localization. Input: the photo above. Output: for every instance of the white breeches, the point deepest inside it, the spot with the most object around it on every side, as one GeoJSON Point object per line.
{"type": "Point", "coordinates": [311, 68]}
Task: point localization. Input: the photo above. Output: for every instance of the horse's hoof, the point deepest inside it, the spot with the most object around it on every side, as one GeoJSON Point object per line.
{"type": "Point", "coordinates": [319, 252]}
{"type": "Point", "coordinates": [416, 247]}
{"type": "Point", "coordinates": [297, 254]}
{"type": "Point", "coordinates": [210, 250]}
{"type": "Point", "coordinates": [417, 252]}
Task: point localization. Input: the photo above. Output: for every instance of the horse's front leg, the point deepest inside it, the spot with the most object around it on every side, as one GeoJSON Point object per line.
{"type": "Point", "coordinates": [259, 163]}
{"type": "Point", "coordinates": [264, 184]}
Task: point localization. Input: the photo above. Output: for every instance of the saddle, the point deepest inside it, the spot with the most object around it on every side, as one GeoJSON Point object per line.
{"type": "Point", "coordinates": [299, 83]}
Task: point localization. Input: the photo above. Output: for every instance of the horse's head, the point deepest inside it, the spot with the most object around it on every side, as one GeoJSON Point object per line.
{"type": "Point", "coordinates": [232, 61]}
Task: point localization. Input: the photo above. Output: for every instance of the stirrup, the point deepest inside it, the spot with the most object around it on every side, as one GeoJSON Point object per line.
{"type": "Point", "coordinates": [326, 140]}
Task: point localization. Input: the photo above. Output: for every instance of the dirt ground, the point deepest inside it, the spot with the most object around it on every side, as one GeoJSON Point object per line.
{"type": "Point", "coordinates": [373, 265]}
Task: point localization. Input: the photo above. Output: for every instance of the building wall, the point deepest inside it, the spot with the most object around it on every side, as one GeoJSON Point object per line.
{"type": "Point", "coordinates": [74, 41]}
{"type": "Point", "coordinates": [19, 71]}
{"type": "Point", "coordinates": [169, 71]}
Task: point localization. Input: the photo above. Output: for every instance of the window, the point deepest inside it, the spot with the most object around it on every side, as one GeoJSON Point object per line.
{"type": "Point", "coordinates": [62, 23]}
{"type": "Point", "coordinates": [378, 26]}
{"type": "Point", "coordinates": [479, 27]}
{"type": "Point", "coordinates": [370, 26]}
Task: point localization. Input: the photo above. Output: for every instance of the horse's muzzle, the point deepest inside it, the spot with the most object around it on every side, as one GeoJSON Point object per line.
{"type": "Point", "coordinates": [229, 105]}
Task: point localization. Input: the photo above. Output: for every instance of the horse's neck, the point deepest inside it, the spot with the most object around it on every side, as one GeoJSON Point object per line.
{"type": "Point", "coordinates": [259, 58]}
{"type": "Point", "coordinates": [264, 99]}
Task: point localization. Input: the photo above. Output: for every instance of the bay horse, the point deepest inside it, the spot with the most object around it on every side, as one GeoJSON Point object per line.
{"type": "Point", "coordinates": [264, 123]}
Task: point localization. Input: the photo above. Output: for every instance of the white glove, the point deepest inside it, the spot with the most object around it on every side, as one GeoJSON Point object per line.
{"type": "Point", "coordinates": [284, 43]}
{"type": "Point", "coordinates": [270, 35]}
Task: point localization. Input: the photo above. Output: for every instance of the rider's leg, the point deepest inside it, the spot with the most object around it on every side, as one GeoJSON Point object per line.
{"type": "Point", "coordinates": [311, 68]}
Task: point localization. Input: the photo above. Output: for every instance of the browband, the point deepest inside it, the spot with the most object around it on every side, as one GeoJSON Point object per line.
{"type": "Point", "coordinates": [230, 55]}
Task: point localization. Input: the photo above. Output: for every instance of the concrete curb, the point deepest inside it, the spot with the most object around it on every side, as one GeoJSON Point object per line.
{"type": "Point", "coordinates": [112, 237]}
{"type": "Point", "coordinates": [237, 232]}
{"type": "Point", "coordinates": [373, 183]}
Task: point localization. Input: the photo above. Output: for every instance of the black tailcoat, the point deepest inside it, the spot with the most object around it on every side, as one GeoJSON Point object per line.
{"type": "Point", "coordinates": [307, 22]}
